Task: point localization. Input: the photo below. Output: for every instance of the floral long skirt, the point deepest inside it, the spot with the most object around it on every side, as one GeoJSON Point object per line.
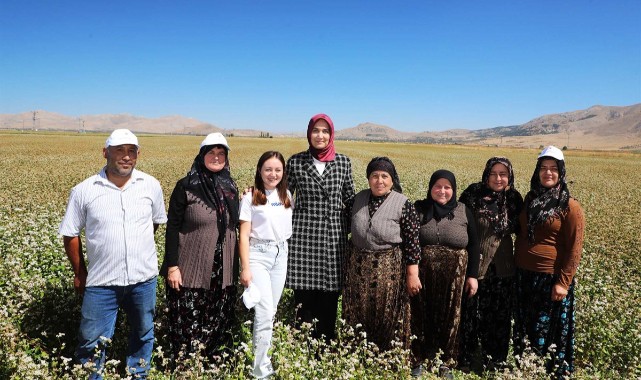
{"type": "Point", "coordinates": [201, 320]}
{"type": "Point", "coordinates": [487, 319]}
{"type": "Point", "coordinates": [436, 310]}
{"type": "Point", "coordinates": [545, 323]}
{"type": "Point", "coordinates": [375, 296]}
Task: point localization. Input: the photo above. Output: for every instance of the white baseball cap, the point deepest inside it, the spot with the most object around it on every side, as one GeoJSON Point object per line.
{"type": "Point", "coordinates": [121, 137]}
{"type": "Point", "coordinates": [216, 138]}
{"type": "Point", "coordinates": [251, 295]}
{"type": "Point", "coordinates": [552, 151]}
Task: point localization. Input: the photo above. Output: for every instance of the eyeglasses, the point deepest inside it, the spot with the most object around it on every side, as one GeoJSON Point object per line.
{"type": "Point", "coordinates": [499, 175]}
{"type": "Point", "coordinates": [553, 169]}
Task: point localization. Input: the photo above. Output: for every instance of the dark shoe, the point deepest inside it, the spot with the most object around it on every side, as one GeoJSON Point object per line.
{"type": "Point", "coordinates": [417, 371]}
{"type": "Point", "coordinates": [445, 372]}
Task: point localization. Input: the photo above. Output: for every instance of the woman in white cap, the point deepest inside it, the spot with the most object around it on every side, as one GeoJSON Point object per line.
{"type": "Point", "coordinates": [265, 226]}
{"type": "Point", "coordinates": [200, 246]}
{"type": "Point", "coordinates": [547, 253]}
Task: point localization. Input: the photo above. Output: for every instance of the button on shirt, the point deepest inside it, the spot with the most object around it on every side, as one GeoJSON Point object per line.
{"type": "Point", "coordinates": [119, 227]}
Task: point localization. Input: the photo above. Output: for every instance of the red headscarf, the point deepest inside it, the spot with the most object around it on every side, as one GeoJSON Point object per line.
{"type": "Point", "coordinates": [326, 154]}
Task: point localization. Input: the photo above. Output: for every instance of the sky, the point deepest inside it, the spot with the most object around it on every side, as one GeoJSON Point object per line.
{"type": "Point", "coordinates": [411, 65]}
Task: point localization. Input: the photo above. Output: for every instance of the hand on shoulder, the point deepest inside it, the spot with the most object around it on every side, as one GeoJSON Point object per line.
{"type": "Point", "coordinates": [247, 190]}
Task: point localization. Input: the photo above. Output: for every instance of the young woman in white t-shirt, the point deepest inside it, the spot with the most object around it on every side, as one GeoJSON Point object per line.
{"type": "Point", "coordinates": [265, 226]}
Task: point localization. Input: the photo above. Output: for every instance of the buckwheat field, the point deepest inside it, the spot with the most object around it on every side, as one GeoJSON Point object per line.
{"type": "Point", "coordinates": [39, 311]}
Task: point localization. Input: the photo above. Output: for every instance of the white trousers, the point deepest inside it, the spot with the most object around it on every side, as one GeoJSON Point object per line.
{"type": "Point", "coordinates": [268, 263]}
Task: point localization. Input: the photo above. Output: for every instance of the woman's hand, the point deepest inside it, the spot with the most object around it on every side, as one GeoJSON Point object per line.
{"type": "Point", "coordinates": [174, 278]}
{"type": "Point", "coordinates": [414, 285]}
{"type": "Point", "coordinates": [471, 286]}
{"type": "Point", "coordinates": [243, 251]}
{"type": "Point", "coordinates": [558, 292]}
{"type": "Point", "coordinates": [245, 277]}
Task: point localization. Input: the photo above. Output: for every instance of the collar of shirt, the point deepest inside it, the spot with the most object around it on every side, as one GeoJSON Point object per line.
{"type": "Point", "coordinates": [136, 175]}
{"type": "Point", "coordinates": [320, 165]}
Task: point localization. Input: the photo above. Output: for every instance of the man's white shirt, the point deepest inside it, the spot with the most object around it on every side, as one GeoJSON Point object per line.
{"type": "Point", "coordinates": [119, 227]}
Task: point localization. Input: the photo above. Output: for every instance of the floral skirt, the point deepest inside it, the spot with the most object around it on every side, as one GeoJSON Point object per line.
{"type": "Point", "coordinates": [543, 322]}
{"type": "Point", "coordinates": [436, 310]}
{"type": "Point", "coordinates": [201, 320]}
{"type": "Point", "coordinates": [375, 296]}
{"type": "Point", "coordinates": [487, 319]}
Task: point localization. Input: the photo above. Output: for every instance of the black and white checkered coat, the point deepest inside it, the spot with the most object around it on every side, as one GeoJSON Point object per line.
{"type": "Point", "coordinates": [319, 236]}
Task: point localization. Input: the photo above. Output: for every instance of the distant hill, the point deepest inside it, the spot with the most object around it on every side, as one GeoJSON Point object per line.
{"type": "Point", "coordinates": [598, 127]}
{"type": "Point", "coordinates": [175, 124]}
{"type": "Point", "coordinates": [373, 132]}
{"type": "Point", "coordinates": [601, 120]}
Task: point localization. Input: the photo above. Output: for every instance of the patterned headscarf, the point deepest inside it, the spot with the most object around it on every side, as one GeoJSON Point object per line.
{"type": "Point", "coordinates": [434, 210]}
{"type": "Point", "coordinates": [502, 208]}
{"type": "Point", "coordinates": [385, 164]}
{"type": "Point", "coordinates": [545, 203]}
{"type": "Point", "coordinates": [328, 153]}
{"type": "Point", "coordinates": [218, 188]}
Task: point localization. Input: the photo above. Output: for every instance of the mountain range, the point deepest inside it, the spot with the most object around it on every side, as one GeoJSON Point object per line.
{"type": "Point", "coordinates": [597, 127]}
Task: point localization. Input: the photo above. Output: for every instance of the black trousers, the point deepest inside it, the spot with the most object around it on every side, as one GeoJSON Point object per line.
{"type": "Point", "coordinates": [319, 305]}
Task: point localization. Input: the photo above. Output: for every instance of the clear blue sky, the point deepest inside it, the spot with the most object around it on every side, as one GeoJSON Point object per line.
{"type": "Point", "coordinates": [412, 65]}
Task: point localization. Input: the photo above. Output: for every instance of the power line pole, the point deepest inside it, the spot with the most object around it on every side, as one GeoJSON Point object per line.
{"type": "Point", "coordinates": [35, 117]}
{"type": "Point", "coordinates": [35, 113]}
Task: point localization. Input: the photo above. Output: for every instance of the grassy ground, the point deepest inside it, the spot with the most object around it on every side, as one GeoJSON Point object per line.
{"type": "Point", "coordinates": [39, 311]}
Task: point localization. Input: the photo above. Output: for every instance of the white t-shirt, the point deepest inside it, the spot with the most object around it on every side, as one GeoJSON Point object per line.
{"type": "Point", "coordinates": [271, 221]}
{"type": "Point", "coordinates": [320, 165]}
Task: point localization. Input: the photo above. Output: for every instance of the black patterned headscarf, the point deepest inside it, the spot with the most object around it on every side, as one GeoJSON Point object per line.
{"type": "Point", "coordinates": [217, 188]}
{"type": "Point", "coordinates": [384, 164]}
{"type": "Point", "coordinates": [501, 208]}
{"type": "Point", "coordinates": [434, 210]}
{"type": "Point", "coordinates": [545, 203]}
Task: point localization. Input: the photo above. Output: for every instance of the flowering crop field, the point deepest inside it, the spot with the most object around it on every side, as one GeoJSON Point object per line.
{"type": "Point", "coordinates": [39, 311]}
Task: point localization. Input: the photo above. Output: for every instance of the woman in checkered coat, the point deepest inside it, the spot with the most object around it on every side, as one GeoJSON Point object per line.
{"type": "Point", "coordinates": [321, 181]}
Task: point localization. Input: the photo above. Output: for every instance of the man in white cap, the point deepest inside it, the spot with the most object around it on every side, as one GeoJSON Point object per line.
{"type": "Point", "coordinates": [119, 208]}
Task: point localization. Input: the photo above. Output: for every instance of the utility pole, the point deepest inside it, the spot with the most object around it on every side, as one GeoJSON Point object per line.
{"type": "Point", "coordinates": [566, 129]}
{"type": "Point", "coordinates": [34, 119]}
